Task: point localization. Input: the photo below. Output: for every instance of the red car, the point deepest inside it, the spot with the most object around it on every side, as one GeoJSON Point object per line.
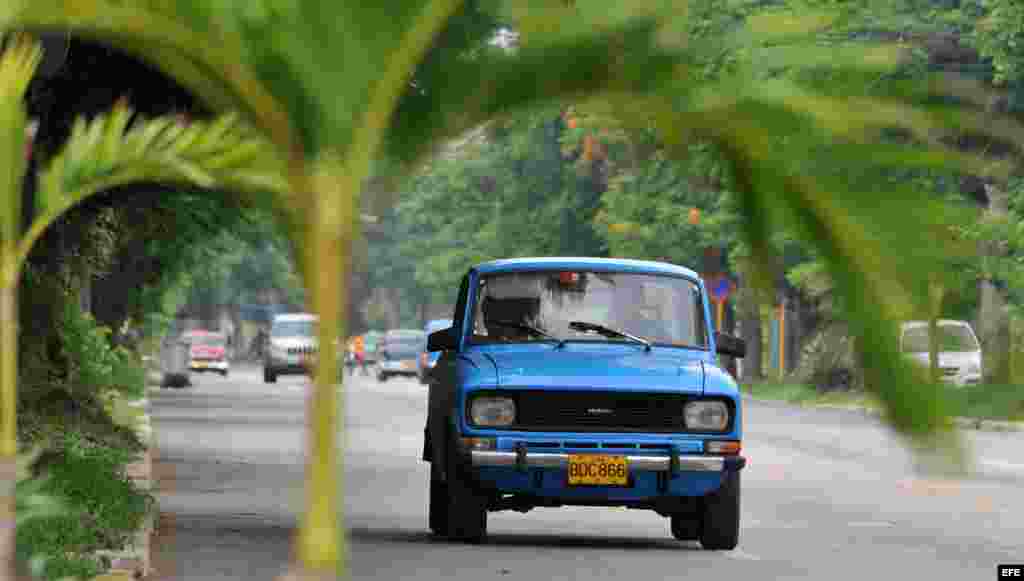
{"type": "Point", "coordinates": [207, 352]}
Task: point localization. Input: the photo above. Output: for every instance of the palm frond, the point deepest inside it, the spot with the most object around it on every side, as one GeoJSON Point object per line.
{"type": "Point", "coordinates": [111, 150]}
{"type": "Point", "coordinates": [214, 70]}
{"type": "Point", "coordinates": [18, 62]}
{"type": "Point", "coordinates": [497, 85]}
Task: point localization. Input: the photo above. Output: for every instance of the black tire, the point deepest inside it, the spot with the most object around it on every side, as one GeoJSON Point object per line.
{"type": "Point", "coordinates": [685, 527]}
{"type": "Point", "coordinates": [382, 377]}
{"type": "Point", "coordinates": [224, 373]}
{"type": "Point", "coordinates": [269, 376]}
{"type": "Point", "coordinates": [720, 518]}
{"type": "Point", "coordinates": [466, 513]}
{"type": "Point", "coordinates": [437, 511]}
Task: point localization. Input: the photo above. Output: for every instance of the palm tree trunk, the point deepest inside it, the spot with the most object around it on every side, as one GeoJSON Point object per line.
{"type": "Point", "coordinates": [750, 315]}
{"type": "Point", "coordinates": [8, 418]}
{"type": "Point", "coordinates": [993, 323]}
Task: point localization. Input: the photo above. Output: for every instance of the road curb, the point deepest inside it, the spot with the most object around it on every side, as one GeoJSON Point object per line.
{"type": "Point", "coordinates": [135, 561]}
{"type": "Point", "coordinates": [978, 424]}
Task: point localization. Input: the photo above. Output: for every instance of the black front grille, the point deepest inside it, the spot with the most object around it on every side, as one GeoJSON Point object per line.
{"type": "Point", "coordinates": [309, 350]}
{"type": "Point", "coordinates": [604, 411]}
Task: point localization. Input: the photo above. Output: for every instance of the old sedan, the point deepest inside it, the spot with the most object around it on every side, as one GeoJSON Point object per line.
{"type": "Point", "coordinates": [579, 381]}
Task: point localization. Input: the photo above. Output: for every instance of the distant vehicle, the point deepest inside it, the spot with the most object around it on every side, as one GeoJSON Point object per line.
{"type": "Point", "coordinates": [428, 360]}
{"type": "Point", "coordinates": [584, 381]}
{"type": "Point", "coordinates": [293, 346]}
{"type": "Point", "coordinates": [207, 351]}
{"type": "Point", "coordinates": [960, 361]}
{"type": "Point", "coordinates": [398, 351]}
{"type": "Point", "coordinates": [371, 343]}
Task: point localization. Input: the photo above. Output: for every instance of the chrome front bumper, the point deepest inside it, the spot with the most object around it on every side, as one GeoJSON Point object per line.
{"type": "Point", "coordinates": [663, 463]}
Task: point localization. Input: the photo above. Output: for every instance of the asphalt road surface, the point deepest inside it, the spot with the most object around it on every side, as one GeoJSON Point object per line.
{"type": "Point", "coordinates": [826, 495]}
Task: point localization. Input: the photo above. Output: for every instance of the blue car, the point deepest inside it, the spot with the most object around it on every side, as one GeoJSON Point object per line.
{"type": "Point", "coordinates": [428, 359]}
{"type": "Point", "coordinates": [584, 381]}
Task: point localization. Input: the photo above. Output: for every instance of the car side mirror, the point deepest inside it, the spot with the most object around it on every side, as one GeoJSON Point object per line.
{"type": "Point", "coordinates": [443, 340]}
{"type": "Point", "coordinates": [729, 345]}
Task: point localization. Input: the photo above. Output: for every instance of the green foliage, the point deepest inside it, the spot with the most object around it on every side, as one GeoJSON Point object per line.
{"type": "Point", "coordinates": [1001, 37]}
{"type": "Point", "coordinates": [103, 509]}
{"type": "Point", "coordinates": [94, 366]}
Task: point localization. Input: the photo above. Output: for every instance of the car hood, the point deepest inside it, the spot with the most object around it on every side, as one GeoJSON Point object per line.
{"type": "Point", "coordinates": [599, 368]}
{"type": "Point", "coordinates": [290, 342]}
{"type": "Point", "coordinates": [207, 351]}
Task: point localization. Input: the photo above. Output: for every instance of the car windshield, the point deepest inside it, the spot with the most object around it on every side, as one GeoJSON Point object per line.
{"type": "Point", "coordinates": [406, 343]}
{"type": "Point", "coordinates": [294, 329]}
{"type": "Point", "coordinates": [209, 341]}
{"type": "Point", "coordinates": [665, 310]}
{"type": "Point", "coordinates": [952, 338]}
{"type": "Point", "coordinates": [438, 325]}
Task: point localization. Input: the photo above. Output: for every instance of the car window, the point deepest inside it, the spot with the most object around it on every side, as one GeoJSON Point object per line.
{"type": "Point", "coordinates": [209, 341]}
{"type": "Point", "coordinates": [663, 309]}
{"type": "Point", "coordinates": [952, 338]}
{"type": "Point", "coordinates": [294, 329]}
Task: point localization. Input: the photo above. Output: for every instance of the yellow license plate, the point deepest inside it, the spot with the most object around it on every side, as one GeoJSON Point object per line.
{"type": "Point", "coordinates": [199, 364]}
{"type": "Point", "coordinates": [598, 470]}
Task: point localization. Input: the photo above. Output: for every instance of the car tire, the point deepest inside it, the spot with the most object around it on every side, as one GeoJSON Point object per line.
{"type": "Point", "coordinates": [224, 373]}
{"type": "Point", "coordinates": [685, 527]}
{"type": "Point", "coordinates": [720, 518]}
{"type": "Point", "coordinates": [382, 377]}
{"type": "Point", "coordinates": [269, 376]}
{"type": "Point", "coordinates": [437, 511]}
{"type": "Point", "coordinates": [466, 514]}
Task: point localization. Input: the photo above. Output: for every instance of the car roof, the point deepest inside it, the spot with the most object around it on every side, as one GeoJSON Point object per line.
{"type": "Point", "coordinates": [198, 333]}
{"type": "Point", "coordinates": [951, 322]}
{"type": "Point", "coordinates": [404, 333]}
{"type": "Point", "coordinates": [295, 317]}
{"type": "Point", "coordinates": [584, 263]}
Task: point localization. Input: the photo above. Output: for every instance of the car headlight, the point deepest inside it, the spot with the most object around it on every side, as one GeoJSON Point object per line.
{"type": "Point", "coordinates": [706, 415]}
{"type": "Point", "coordinates": [492, 411]}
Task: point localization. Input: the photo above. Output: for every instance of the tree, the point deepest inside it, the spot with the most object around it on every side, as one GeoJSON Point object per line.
{"type": "Point", "coordinates": [329, 121]}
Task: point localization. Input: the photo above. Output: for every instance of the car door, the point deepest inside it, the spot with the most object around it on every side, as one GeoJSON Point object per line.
{"type": "Point", "coordinates": [442, 386]}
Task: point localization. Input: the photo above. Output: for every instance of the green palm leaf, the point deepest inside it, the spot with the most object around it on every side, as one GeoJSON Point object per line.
{"type": "Point", "coordinates": [110, 151]}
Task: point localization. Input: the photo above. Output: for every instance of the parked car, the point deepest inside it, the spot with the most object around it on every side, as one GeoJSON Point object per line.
{"type": "Point", "coordinates": [398, 351]}
{"type": "Point", "coordinates": [960, 358]}
{"type": "Point", "coordinates": [293, 346]}
{"type": "Point", "coordinates": [427, 360]}
{"type": "Point", "coordinates": [584, 381]}
{"type": "Point", "coordinates": [207, 351]}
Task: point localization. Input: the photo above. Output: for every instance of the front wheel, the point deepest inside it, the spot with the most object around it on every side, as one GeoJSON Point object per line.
{"type": "Point", "coordinates": [720, 518]}
{"type": "Point", "coordinates": [382, 377]}
{"type": "Point", "coordinates": [685, 527]}
{"type": "Point", "coordinates": [466, 514]}
{"type": "Point", "coordinates": [269, 376]}
{"type": "Point", "coordinates": [437, 511]}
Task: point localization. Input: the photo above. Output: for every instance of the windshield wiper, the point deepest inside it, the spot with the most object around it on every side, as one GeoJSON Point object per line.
{"type": "Point", "coordinates": [530, 328]}
{"type": "Point", "coordinates": [608, 332]}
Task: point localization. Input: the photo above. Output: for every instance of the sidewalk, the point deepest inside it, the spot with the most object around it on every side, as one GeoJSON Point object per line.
{"type": "Point", "coordinates": [961, 422]}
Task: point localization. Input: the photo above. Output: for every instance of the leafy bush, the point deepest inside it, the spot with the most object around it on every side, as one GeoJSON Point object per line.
{"type": "Point", "coordinates": [94, 365]}
{"type": "Point", "coordinates": [104, 508]}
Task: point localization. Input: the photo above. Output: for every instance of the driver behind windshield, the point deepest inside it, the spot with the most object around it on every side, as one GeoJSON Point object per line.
{"type": "Point", "coordinates": [501, 317]}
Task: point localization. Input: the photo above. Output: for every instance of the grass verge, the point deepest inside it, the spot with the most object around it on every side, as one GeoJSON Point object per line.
{"type": "Point", "coordinates": [990, 402]}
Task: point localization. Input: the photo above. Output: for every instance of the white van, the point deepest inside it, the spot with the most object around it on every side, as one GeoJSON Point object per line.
{"type": "Point", "coordinates": [959, 349]}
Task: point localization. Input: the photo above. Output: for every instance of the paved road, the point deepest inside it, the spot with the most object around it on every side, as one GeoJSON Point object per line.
{"type": "Point", "coordinates": [827, 495]}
